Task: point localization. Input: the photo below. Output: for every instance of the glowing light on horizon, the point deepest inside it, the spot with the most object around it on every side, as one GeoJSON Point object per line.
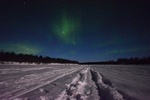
{"type": "Point", "coordinates": [22, 48]}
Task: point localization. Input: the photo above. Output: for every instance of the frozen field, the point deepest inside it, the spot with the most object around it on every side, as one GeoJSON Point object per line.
{"type": "Point", "coordinates": [74, 82]}
{"type": "Point", "coordinates": [133, 81]}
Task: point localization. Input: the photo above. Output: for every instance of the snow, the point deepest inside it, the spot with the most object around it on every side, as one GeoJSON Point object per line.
{"type": "Point", "coordinates": [21, 82]}
{"type": "Point", "coordinates": [80, 88]}
{"type": "Point", "coordinates": [110, 92]}
{"type": "Point", "coordinates": [132, 81]}
{"type": "Point", "coordinates": [74, 82]}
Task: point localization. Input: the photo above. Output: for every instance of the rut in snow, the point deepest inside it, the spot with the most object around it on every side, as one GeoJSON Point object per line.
{"type": "Point", "coordinates": [81, 88]}
{"type": "Point", "coordinates": [105, 89]}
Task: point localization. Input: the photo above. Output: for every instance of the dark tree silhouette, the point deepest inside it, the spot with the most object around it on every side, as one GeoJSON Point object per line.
{"type": "Point", "coordinates": [136, 60]}
{"type": "Point", "coordinates": [10, 56]}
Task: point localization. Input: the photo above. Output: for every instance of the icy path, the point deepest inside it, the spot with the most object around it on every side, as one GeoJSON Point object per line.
{"type": "Point", "coordinates": [81, 88]}
{"type": "Point", "coordinates": [62, 82]}
{"type": "Point", "coordinates": [89, 85]}
{"type": "Point", "coordinates": [105, 88]}
{"type": "Point", "coordinates": [19, 83]}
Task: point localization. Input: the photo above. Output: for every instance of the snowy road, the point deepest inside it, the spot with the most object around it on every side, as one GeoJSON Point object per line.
{"type": "Point", "coordinates": [16, 81]}
{"type": "Point", "coordinates": [58, 82]}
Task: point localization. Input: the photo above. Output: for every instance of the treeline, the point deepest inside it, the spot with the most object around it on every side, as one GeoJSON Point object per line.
{"type": "Point", "coordinates": [12, 57]}
{"type": "Point", "coordinates": [136, 60]}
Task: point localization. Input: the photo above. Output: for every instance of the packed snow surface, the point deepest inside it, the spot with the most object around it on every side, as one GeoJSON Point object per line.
{"type": "Point", "coordinates": [132, 81]}
{"type": "Point", "coordinates": [74, 82]}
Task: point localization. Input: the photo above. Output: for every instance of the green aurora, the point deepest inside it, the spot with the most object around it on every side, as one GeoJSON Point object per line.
{"type": "Point", "coordinates": [67, 29]}
{"type": "Point", "coordinates": [22, 48]}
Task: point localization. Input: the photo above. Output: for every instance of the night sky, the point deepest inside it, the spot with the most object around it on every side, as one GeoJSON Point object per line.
{"type": "Point", "coordinates": [77, 30]}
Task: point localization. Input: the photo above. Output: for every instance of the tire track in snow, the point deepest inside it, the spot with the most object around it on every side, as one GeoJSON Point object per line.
{"type": "Point", "coordinates": [88, 85]}
{"type": "Point", "coordinates": [106, 91]}
{"type": "Point", "coordinates": [58, 74]}
{"type": "Point", "coordinates": [81, 88]}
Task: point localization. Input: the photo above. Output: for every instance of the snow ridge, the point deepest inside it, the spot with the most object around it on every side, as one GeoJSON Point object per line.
{"type": "Point", "coordinates": [86, 84]}
{"type": "Point", "coordinates": [48, 78]}
{"type": "Point", "coordinates": [81, 88]}
{"type": "Point", "coordinates": [106, 91]}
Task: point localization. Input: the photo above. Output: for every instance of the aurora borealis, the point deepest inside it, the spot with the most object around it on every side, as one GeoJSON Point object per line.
{"type": "Point", "coordinates": [66, 30]}
{"type": "Point", "coordinates": [74, 29]}
{"type": "Point", "coordinates": [21, 48]}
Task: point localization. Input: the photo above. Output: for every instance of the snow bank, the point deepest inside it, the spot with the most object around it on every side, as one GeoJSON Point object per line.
{"type": "Point", "coordinates": [106, 91]}
{"type": "Point", "coordinates": [81, 88]}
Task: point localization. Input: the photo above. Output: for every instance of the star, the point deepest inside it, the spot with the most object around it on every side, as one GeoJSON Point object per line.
{"type": "Point", "coordinates": [24, 3]}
